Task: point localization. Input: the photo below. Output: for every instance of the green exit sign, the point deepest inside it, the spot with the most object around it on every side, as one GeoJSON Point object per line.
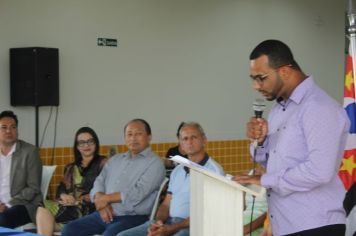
{"type": "Point", "coordinates": [107, 42]}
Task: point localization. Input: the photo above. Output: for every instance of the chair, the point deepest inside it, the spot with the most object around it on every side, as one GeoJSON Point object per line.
{"type": "Point", "coordinates": [156, 202]}
{"type": "Point", "coordinates": [47, 173]}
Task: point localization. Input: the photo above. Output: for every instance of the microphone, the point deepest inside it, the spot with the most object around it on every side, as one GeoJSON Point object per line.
{"type": "Point", "coordinates": [259, 106]}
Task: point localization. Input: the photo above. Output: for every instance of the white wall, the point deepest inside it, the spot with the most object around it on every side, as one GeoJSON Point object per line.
{"type": "Point", "coordinates": [177, 59]}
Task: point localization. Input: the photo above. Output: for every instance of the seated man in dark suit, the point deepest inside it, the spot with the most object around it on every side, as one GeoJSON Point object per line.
{"type": "Point", "coordinates": [20, 175]}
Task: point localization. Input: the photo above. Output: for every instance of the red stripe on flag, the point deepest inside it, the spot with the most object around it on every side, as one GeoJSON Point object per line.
{"type": "Point", "coordinates": [347, 170]}
{"type": "Point", "coordinates": [349, 82]}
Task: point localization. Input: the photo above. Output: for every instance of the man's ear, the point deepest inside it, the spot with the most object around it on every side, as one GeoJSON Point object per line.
{"type": "Point", "coordinates": [285, 72]}
{"type": "Point", "coordinates": [205, 142]}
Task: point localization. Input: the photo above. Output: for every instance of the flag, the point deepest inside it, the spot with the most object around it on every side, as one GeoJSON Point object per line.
{"type": "Point", "coordinates": [347, 170]}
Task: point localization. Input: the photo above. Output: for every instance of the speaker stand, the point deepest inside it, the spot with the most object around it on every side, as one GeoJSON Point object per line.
{"type": "Point", "coordinates": [36, 126]}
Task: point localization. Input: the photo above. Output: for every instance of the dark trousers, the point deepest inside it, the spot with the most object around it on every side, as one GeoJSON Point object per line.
{"type": "Point", "coordinates": [14, 216]}
{"type": "Point", "coordinates": [93, 224]}
{"type": "Point", "coordinates": [329, 230]}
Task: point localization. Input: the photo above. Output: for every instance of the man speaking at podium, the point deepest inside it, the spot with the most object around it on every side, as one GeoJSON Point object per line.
{"type": "Point", "coordinates": [301, 146]}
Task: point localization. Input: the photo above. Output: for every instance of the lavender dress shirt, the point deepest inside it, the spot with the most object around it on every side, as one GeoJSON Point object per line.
{"type": "Point", "coordinates": [302, 154]}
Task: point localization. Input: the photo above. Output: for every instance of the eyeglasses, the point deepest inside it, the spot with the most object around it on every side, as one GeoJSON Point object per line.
{"type": "Point", "coordinates": [260, 79]}
{"type": "Point", "coordinates": [4, 128]}
{"type": "Point", "coordinates": [82, 143]}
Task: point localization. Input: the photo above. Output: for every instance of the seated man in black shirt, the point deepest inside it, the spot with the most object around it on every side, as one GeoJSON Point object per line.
{"type": "Point", "coordinates": [176, 150]}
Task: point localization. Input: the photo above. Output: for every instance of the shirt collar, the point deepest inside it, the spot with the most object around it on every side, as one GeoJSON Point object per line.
{"type": "Point", "coordinates": [299, 92]}
{"type": "Point", "coordinates": [202, 162]}
{"type": "Point", "coordinates": [13, 148]}
{"type": "Point", "coordinates": [141, 154]}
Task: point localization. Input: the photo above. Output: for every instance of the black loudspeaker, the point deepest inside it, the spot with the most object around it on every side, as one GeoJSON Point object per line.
{"type": "Point", "coordinates": [34, 79]}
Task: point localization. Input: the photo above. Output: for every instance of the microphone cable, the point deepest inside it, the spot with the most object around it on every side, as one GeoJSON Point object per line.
{"type": "Point", "coordinates": [259, 106]}
{"type": "Point", "coordinates": [253, 173]}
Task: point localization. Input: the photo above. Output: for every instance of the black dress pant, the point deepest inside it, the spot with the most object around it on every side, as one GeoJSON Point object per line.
{"type": "Point", "coordinates": [329, 230]}
{"type": "Point", "coordinates": [14, 216]}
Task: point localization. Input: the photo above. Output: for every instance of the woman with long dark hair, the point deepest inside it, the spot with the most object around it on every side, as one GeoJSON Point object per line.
{"type": "Point", "coordinates": [73, 192]}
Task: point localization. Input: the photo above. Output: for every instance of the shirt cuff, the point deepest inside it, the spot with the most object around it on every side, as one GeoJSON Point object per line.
{"type": "Point", "coordinates": [268, 180]}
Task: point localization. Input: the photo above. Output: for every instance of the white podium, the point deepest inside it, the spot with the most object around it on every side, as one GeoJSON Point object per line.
{"type": "Point", "coordinates": [216, 203]}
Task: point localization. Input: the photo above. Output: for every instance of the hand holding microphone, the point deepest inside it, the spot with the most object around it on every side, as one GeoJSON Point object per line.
{"type": "Point", "coordinates": [257, 128]}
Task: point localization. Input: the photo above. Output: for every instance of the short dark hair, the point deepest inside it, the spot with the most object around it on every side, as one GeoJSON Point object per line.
{"type": "Point", "coordinates": [77, 156]}
{"type": "Point", "coordinates": [9, 114]}
{"type": "Point", "coordinates": [145, 123]}
{"type": "Point", "coordinates": [278, 53]}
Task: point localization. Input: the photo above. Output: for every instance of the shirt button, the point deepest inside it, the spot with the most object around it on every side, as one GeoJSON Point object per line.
{"type": "Point", "coordinates": [268, 195]}
{"type": "Point", "coordinates": [271, 216]}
